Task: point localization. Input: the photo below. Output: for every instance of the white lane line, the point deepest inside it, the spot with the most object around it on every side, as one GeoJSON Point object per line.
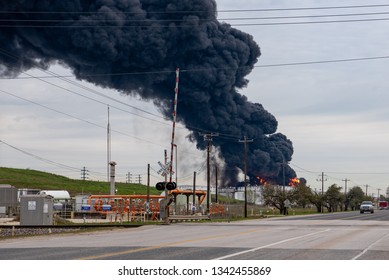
{"type": "Point", "coordinates": [269, 245]}
{"type": "Point", "coordinates": [370, 246]}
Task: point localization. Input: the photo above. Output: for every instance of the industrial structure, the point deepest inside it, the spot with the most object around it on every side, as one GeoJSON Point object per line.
{"type": "Point", "coordinates": [40, 207]}
{"type": "Point", "coordinates": [8, 200]}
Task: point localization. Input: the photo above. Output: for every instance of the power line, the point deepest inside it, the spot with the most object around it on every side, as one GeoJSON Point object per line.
{"type": "Point", "coordinates": [301, 16]}
{"type": "Point", "coordinates": [192, 25]}
{"type": "Point", "coordinates": [103, 20]}
{"type": "Point", "coordinates": [309, 22]}
{"type": "Point", "coordinates": [203, 11]}
{"type": "Point", "coordinates": [91, 23]}
{"type": "Point", "coordinates": [150, 21]}
{"type": "Point", "coordinates": [81, 86]}
{"type": "Point", "coordinates": [340, 172]}
{"type": "Point", "coordinates": [355, 59]}
{"type": "Point", "coordinates": [123, 23]}
{"type": "Point", "coordinates": [322, 61]}
{"type": "Point", "coordinates": [77, 118]}
{"type": "Point", "coordinates": [305, 8]}
{"type": "Point", "coordinates": [41, 158]}
{"type": "Point", "coordinates": [100, 126]}
{"type": "Point", "coordinates": [60, 165]}
{"type": "Point", "coordinates": [194, 129]}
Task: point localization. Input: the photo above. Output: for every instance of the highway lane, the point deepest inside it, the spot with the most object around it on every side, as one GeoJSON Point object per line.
{"type": "Point", "coordinates": [337, 236]}
{"type": "Point", "coordinates": [378, 215]}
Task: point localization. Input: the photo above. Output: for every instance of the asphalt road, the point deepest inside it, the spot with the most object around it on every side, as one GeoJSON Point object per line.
{"type": "Point", "coordinates": [338, 236]}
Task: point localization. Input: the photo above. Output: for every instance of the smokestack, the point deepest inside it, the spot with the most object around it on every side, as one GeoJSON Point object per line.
{"type": "Point", "coordinates": [103, 40]}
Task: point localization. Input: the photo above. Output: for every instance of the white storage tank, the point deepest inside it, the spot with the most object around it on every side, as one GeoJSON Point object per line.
{"type": "Point", "coordinates": [58, 195]}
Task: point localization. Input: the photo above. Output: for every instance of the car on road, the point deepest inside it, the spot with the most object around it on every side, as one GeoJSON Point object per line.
{"type": "Point", "coordinates": [366, 206]}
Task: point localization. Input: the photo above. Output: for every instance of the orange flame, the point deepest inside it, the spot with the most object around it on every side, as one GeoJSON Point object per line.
{"type": "Point", "coordinates": [261, 181]}
{"type": "Point", "coordinates": [294, 182]}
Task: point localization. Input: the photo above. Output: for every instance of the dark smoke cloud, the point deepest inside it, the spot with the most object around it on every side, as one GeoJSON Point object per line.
{"type": "Point", "coordinates": [94, 38]}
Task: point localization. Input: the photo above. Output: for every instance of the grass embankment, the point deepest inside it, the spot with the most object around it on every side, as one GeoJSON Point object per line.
{"type": "Point", "coordinates": [32, 179]}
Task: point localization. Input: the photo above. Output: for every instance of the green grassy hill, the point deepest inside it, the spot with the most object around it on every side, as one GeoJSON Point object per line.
{"type": "Point", "coordinates": [26, 178]}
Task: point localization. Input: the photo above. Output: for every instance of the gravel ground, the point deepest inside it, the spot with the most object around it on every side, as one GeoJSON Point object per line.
{"type": "Point", "coordinates": [20, 231]}
{"type": "Point", "coordinates": [8, 231]}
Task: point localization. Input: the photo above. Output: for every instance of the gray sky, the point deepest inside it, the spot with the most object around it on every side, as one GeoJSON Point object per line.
{"type": "Point", "coordinates": [334, 113]}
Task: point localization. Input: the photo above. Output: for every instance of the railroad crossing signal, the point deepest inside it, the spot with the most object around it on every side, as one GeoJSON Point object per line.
{"type": "Point", "coordinates": [161, 186]}
{"type": "Point", "coordinates": [165, 169]}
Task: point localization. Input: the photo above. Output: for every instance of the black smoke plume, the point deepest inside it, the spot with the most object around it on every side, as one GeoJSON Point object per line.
{"type": "Point", "coordinates": [101, 37]}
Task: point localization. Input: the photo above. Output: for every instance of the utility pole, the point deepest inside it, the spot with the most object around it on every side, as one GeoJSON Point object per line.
{"type": "Point", "coordinates": [84, 173]}
{"type": "Point", "coordinates": [283, 187]}
{"type": "Point", "coordinates": [378, 197]}
{"type": "Point", "coordinates": [148, 192]}
{"type": "Point", "coordinates": [366, 189]}
{"type": "Point", "coordinates": [129, 178]}
{"type": "Point", "coordinates": [148, 183]}
{"type": "Point", "coordinates": [194, 189]}
{"type": "Point", "coordinates": [216, 183]}
{"type": "Point", "coordinates": [283, 178]}
{"type": "Point", "coordinates": [345, 185]}
{"type": "Point", "coordinates": [245, 141]}
{"type": "Point", "coordinates": [322, 180]}
{"type": "Point", "coordinates": [208, 138]}
{"type": "Point", "coordinates": [139, 177]}
{"type": "Point", "coordinates": [108, 147]}
{"type": "Point", "coordinates": [166, 193]}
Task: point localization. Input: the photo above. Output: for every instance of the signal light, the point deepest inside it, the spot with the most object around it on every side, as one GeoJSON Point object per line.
{"type": "Point", "coordinates": [160, 186]}
{"type": "Point", "coordinates": [169, 186]}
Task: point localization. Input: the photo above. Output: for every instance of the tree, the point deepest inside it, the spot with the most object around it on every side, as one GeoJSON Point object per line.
{"type": "Point", "coordinates": [333, 198]}
{"type": "Point", "coordinates": [274, 196]}
{"type": "Point", "coordinates": [302, 195]}
{"type": "Point", "coordinates": [316, 199]}
{"type": "Point", "coordinates": [354, 197]}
